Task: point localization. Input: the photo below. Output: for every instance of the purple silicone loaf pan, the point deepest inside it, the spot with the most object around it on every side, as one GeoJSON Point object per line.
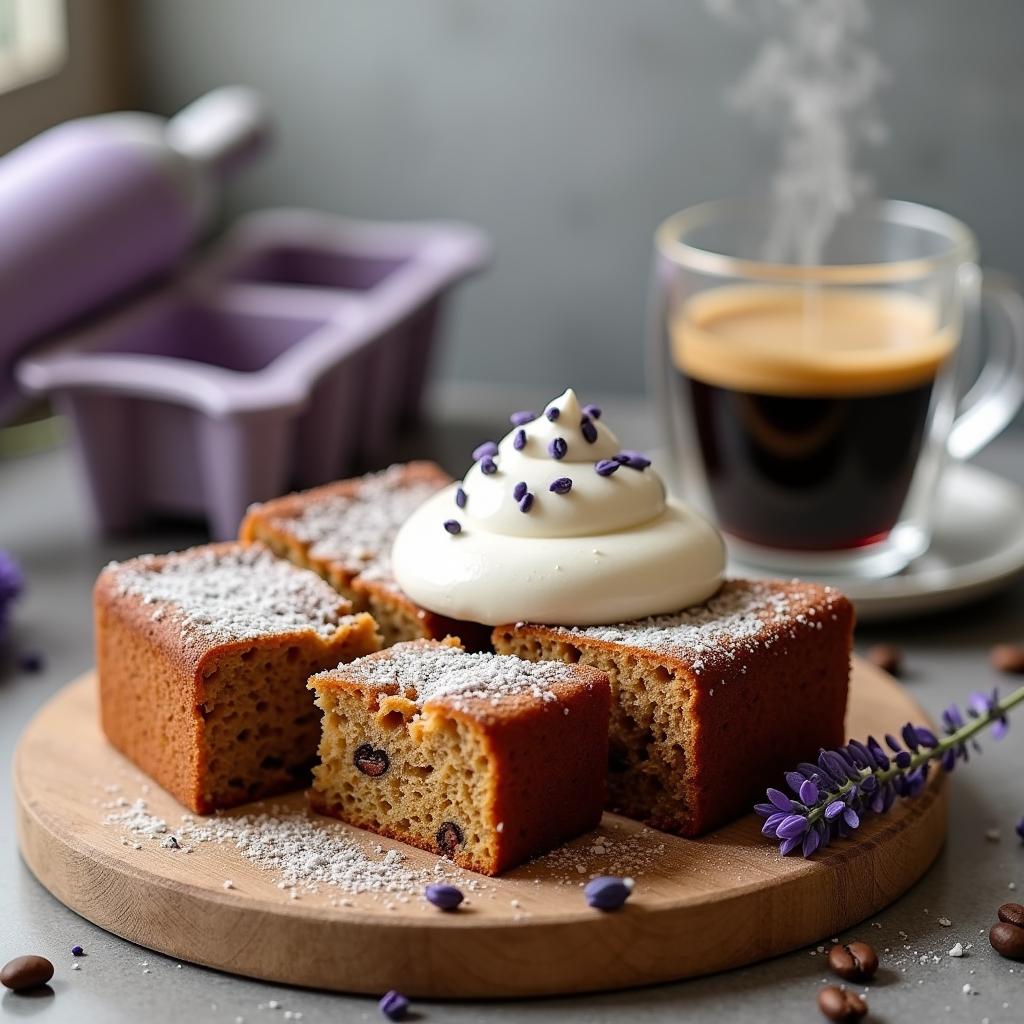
{"type": "Point", "coordinates": [287, 356]}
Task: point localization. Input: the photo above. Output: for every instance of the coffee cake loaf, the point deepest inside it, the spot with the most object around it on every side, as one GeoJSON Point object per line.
{"type": "Point", "coordinates": [344, 532]}
{"type": "Point", "coordinates": [713, 703]}
{"type": "Point", "coordinates": [484, 759]}
{"type": "Point", "coordinates": [203, 658]}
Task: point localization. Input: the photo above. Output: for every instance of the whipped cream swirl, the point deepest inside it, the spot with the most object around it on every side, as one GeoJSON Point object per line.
{"type": "Point", "coordinates": [557, 524]}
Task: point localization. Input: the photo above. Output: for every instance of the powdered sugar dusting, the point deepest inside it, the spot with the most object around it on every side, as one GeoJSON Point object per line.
{"type": "Point", "coordinates": [229, 592]}
{"type": "Point", "coordinates": [426, 672]}
{"type": "Point", "coordinates": [358, 529]}
{"type": "Point", "coordinates": [738, 619]}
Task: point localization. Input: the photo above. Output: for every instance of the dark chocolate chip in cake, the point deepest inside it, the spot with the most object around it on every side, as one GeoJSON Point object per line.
{"type": "Point", "coordinates": [449, 838]}
{"type": "Point", "coordinates": [371, 760]}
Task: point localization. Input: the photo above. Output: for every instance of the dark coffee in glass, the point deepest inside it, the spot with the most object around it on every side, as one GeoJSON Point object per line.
{"type": "Point", "coordinates": [810, 410]}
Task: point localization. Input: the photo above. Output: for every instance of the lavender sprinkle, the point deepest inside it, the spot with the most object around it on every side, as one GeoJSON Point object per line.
{"type": "Point", "coordinates": [592, 411]}
{"type": "Point", "coordinates": [606, 892]}
{"type": "Point", "coordinates": [488, 466]}
{"type": "Point", "coordinates": [519, 441]}
{"type": "Point", "coordinates": [558, 448]}
{"type": "Point", "coordinates": [588, 430]}
{"type": "Point", "coordinates": [563, 485]}
{"type": "Point", "coordinates": [606, 467]}
{"type": "Point", "coordinates": [453, 526]}
{"type": "Point", "coordinates": [483, 450]}
{"type": "Point", "coordinates": [524, 416]}
{"type": "Point", "coordinates": [633, 459]}
{"type": "Point", "coordinates": [445, 897]}
{"type": "Point", "coordinates": [460, 497]}
{"type": "Point", "coordinates": [519, 490]}
{"type": "Point", "coordinates": [552, 413]}
{"type": "Point", "coordinates": [394, 1005]}
{"type": "Point", "coordinates": [526, 503]}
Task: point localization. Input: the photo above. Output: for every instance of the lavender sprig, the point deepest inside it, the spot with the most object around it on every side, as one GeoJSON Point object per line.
{"type": "Point", "coordinates": [858, 779]}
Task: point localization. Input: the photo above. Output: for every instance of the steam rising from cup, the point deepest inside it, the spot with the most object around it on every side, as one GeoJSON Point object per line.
{"type": "Point", "coordinates": [814, 81]}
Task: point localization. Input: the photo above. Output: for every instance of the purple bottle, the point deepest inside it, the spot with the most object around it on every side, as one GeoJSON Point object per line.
{"type": "Point", "coordinates": [94, 207]}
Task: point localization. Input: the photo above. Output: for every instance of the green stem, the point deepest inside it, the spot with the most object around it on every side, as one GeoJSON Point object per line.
{"type": "Point", "coordinates": [922, 756]}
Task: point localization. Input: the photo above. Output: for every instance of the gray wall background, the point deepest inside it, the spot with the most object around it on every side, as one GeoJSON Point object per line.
{"type": "Point", "coordinates": [568, 129]}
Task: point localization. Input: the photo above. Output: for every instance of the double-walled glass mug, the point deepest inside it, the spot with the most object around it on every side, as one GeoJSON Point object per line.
{"type": "Point", "coordinates": [811, 408]}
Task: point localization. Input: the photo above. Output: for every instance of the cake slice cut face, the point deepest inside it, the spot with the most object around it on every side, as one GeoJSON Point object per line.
{"type": "Point", "coordinates": [344, 532]}
{"type": "Point", "coordinates": [484, 759]}
{"type": "Point", "coordinates": [203, 658]}
{"type": "Point", "coordinates": [715, 702]}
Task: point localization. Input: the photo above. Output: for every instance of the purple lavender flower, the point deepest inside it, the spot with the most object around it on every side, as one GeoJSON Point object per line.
{"type": "Point", "coordinates": [482, 450]}
{"type": "Point", "coordinates": [633, 459]}
{"type": "Point", "coordinates": [521, 418]}
{"type": "Point", "coordinates": [833, 796]}
{"type": "Point", "coordinates": [592, 411]}
{"type": "Point", "coordinates": [563, 485]}
{"type": "Point", "coordinates": [394, 1005]}
{"type": "Point", "coordinates": [606, 892]}
{"type": "Point", "coordinates": [557, 449]}
{"type": "Point", "coordinates": [606, 467]}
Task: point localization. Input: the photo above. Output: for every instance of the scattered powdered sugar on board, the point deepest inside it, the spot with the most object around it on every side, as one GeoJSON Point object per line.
{"type": "Point", "coordinates": [358, 529]}
{"type": "Point", "coordinates": [611, 850]}
{"type": "Point", "coordinates": [430, 672]}
{"type": "Point", "coordinates": [300, 849]}
{"type": "Point", "coordinates": [736, 620]}
{"type": "Point", "coordinates": [228, 592]}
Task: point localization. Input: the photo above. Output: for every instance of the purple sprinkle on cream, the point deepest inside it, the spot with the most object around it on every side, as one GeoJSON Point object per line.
{"type": "Point", "coordinates": [519, 441]}
{"type": "Point", "coordinates": [394, 1005]}
{"type": "Point", "coordinates": [481, 451]}
{"type": "Point", "coordinates": [592, 411]}
{"type": "Point", "coordinates": [633, 459]}
{"type": "Point", "coordinates": [445, 897]}
{"type": "Point", "coordinates": [519, 490]}
{"type": "Point", "coordinates": [606, 467]}
{"type": "Point", "coordinates": [453, 526]}
{"type": "Point", "coordinates": [588, 430]}
{"type": "Point", "coordinates": [460, 497]}
{"type": "Point", "coordinates": [521, 418]}
{"type": "Point", "coordinates": [557, 448]}
{"type": "Point", "coordinates": [552, 413]}
{"type": "Point", "coordinates": [526, 503]}
{"type": "Point", "coordinates": [488, 465]}
{"type": "Point", "coordinates": [563, 485]}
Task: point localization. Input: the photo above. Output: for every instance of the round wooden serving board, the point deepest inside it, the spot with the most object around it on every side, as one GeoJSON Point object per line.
{"type": "Point", "coordinates": [698, 906]}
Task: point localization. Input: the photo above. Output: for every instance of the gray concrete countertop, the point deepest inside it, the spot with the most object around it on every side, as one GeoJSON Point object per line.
{"type": "Point", "coordinates": [43, 523]}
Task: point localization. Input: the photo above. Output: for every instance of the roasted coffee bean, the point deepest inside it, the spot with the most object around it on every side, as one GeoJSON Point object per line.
{"type": "Point", "coordinates": [856, 961]}
{"type": "Point", "coordinates": [449, 838]}
{"type": "Point", "coordinates": [371, 761]}
{"type": "Point", "coordinates": [842, 1005]}
{"type": "Point", "coordinates": [1008, 658]}
{"type": "Point", "coordinates": [1012, 913]}
{"type": "Point", "coordinates": [1007, 940]}
{"type": "Point", "coordinates": [887, 657]}
{"type": "Point", "coordinates": [25, 972]}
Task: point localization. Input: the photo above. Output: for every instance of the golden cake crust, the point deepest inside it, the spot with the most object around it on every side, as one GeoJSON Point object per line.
{"type": "Point", "coordinates": [344, 530]}
{"type": "Point", "coordinates": [169, 675]}
{"type": "Point", "coordinates": [759, 674]}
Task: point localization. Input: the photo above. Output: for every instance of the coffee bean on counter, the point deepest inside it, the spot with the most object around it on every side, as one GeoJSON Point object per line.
{"type": "Point", "coordinates": [855, 961]}
{"type": "Point", "coordinates": [25, 972]}
{"type": "Point", "coordinates": [1012, 913]}
{"type": "Point", "coordinates": [1007, 940]}
{"type": "Point", "coordinates": [887, 657]}
{"type": "Point", "coordinates": [1008, 658]}
{"type": "Point", "coordinates": [841, 1005]}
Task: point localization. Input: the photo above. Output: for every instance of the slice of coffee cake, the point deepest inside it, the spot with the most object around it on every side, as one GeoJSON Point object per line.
{"type": "Point", "coordinates": [713, 703]}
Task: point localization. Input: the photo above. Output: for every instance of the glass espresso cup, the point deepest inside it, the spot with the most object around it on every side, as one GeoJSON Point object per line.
{"type": "Point", "coordinates": [810, 408]}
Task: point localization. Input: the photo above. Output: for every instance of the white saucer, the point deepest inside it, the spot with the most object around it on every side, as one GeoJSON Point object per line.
{"type": "Point", "coordinates": [977, 547]}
